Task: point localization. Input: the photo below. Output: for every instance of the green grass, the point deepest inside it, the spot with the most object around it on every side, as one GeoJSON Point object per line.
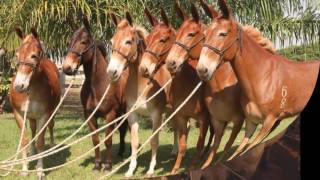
{"type": "Point", "coordinates": [67, 123]}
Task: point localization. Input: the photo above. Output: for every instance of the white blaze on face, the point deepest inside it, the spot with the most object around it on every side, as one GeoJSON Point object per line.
{"type": "Point", "coordinates": [206, 62]}
{"type": "Point", "coordinates": [22, 81]}
{"type": "Point", "coordinates": [115, 67]}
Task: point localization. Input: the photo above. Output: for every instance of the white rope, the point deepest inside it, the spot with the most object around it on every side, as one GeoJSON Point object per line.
{"type": "Point", "coordinates": [41, 130]}
{"type": "Point", "coordinates": [21, 134]}
{"type": "Point", "coordinates": [134, 107]}
{"type": "Point", "coordinates": [155, 132]}
{"type": "Point", "coordinates": [43, 154]}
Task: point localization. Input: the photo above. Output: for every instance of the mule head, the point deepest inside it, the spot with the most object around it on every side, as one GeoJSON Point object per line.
{"type": "Point", "coordinates": [189, 40]}
{"type": "Point", "coordinates": [81, 49]}
{"type": "Point", "coordinates": [127, 42]}
{"type": "Point", "coordinates": [221, 41]}
{"type": "Point", "coordinates": [159, 42]}
{"type": "Point", "coordinates": [29, 56]}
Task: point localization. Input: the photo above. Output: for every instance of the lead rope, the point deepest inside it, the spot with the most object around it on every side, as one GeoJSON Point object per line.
{"type": "Point", "coordinates": [155, 132]}
{"type": "Point", "coordinates": [21, 135]}
{"type": "Point", "coordinates": [135, 107]}
{"type": "Point", "coordinates": [41, 130]}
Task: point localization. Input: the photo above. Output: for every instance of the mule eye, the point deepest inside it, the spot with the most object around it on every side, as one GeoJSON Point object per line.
{"type": "Point", "coordinates": [223, 34]}
{"type": "Point", "coordinates": [34, 56]}
{"type": "Point", "coordinates": [191, 34]}
{"type": "Point", "coordinates": [128, 42]}
{"type": "Point", "coordinates": [83, 42]}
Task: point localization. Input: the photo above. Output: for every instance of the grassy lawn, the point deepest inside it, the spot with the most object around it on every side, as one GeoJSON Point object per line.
{"type": "Point", "coordinates": [67, 122]}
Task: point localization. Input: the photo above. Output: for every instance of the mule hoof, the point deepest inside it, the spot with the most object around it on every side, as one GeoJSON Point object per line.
{"type": "Point", "coordinates": [97, 167]}
{"type": "Point", "coordinates": [128, 174]}
{"type": "Point", "coordinates": [24, 174]}
{"type": "Point", "coordinates": [150, 173]}
{"type": "Point", "coordinates": [107, 167]}
{"type": "Point", "coordinates": [41, 176]}
{"type": "Point", "coordinates": [174, 171]}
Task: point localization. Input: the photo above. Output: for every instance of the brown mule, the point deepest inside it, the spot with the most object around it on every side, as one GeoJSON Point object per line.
{"type": "Point", "coordinates": [159, 43]}
{"type": "Point", "coordinates": [269, 88]}
{"type": "Point", "coordinates": [221, 94]}
{"type": "Point", "coordinates": [129, 43]}
{"type": "Point", "coordinates": [86, 51]}
{"type": "Point", "coordinates": [37, 79]}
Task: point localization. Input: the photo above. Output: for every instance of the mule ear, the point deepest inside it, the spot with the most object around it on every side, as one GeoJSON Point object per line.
{"type": "Point", "coordinates": [194, 12]}
{"type": "Point", "coordinates": [34, 32]}
{"type": "Point", "coordinates": [86, 23]}
{"type": "Point", "coordinates": [114, 18]}
{"type": "Point", "coordinates": [164, 17]}
{"type": "Point", "coordinates": [129, 18]}
{"type": "Point", "coordinates": [209, 10]}
{"type": "Point", "coordinates": [224, 9]}
{"type": "Point", "coordinates": [153, 21]}
{"type": "Point", "coordinates": [180, 12]}
{"type": "Point", "coordinates": [19, 32]}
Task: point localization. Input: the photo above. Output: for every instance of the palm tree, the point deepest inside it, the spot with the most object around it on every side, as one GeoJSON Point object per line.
{"type": "Point", "coordinates": [278, 19]}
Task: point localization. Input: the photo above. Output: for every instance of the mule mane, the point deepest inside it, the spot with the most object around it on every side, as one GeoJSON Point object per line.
{"type": "Point", "coordinates": [257, 36]}
{"type": "Point", "coordinates": [100, 45]}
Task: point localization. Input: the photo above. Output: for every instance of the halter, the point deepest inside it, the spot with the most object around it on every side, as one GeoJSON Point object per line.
{"type": "Point", "coordinates": [126, 57]}
{"type": "Point", "coordinates": [33, 66]}
{"type": "Point", "coordinates": [221, 52]}
{"type": "Point", "coordinates": [188, 49]}
{"type": "Point", "coordinates": [157, 56]}
{"type": "Point", "coordinates": [80, 55]}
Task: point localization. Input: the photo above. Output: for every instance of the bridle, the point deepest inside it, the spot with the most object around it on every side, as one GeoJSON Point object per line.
{"type": "Point", "coordinates": [127, 57]}
{"type": "Point", "coordinates": [80, 54]}
{"type": "Point", "coordinates": [221, 52]}
{"type": "Point", "coordinates": [158, 58]}
{"type": "Point", "coordinates": [189, 49]}
{"type": "Point", "coordinates": [33, 66]}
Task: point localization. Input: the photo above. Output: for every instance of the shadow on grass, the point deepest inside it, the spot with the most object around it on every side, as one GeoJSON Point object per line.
{"type": "Point", "coordinates": [53, 160]}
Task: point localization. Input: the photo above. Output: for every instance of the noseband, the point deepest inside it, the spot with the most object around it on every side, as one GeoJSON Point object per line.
{"type": "Point", "coordinates": [221, 52]}
{"type": "Point", "coordinates": [159, 61]}
{"type": "Point", "coordinates": [188, 49]}
{"type": "Point", "coordinates": [33, 66]}
{"type": "Point", "coordinates": [127, 57]}
{"type": "Point", "coordinates": [80, 55]}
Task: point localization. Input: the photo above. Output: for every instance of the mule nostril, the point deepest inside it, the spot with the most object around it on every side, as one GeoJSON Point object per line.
{"type": "Point", "coordinates": [114, 72]}
{"type": "Point", "coordinates": [172, 63]}
{"type": "Point", "coordinates": [21, 86]}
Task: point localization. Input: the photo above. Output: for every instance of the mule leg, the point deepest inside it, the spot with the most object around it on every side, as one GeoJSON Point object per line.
{"type": "Point", "coordinates": [237, 125]}
{"type": "Point", "coordinates": [174, 150]}
{"type": "Point", "coordinates": [93, 125]}
{"type": "Point", "coordinates": [218, 129]}
{"type": "Point", "coordinates": [250, 128]}
{"type": "Point", "coordinates": [19, 121]}
{"type": "Point", "coordinates": [156, 117]}
{"type": "Point", "coordinates": [210, 138]}
{"type": "Point", "coordinates": [182, 131]}
{"type": "Point", "coordinates": [51, 126]}
{"type": "Point", "coordinates": [266, 127]}
{"type": "Point", "coordinates": [33, 126]}
{"type": "Point", "coordinates": [134, 126]}
{"type": "Point", "coordinates": [123, 131]}
{"type": "Point", "coordinates": [108, 143]}
{"type": "Point", "coordinates": [40, 145]}
{"type": "Point", "coordinates": [203, 128]}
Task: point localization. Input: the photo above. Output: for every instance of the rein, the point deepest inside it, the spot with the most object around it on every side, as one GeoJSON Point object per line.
{"type": "Point", "coordinates": [221, 52]}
